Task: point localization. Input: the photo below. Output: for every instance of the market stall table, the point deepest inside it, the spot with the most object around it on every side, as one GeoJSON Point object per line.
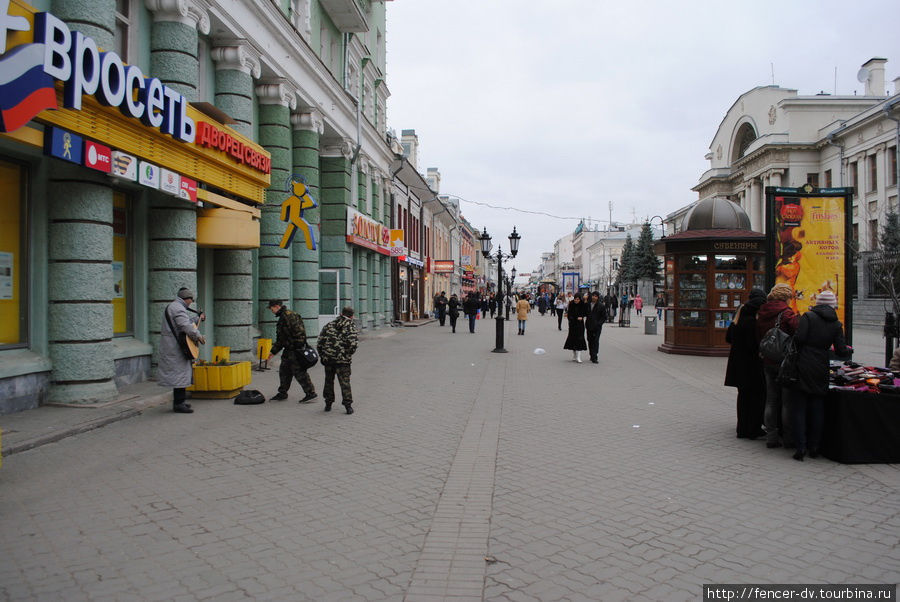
{"type": "Point", "coordinates": [861, 427]}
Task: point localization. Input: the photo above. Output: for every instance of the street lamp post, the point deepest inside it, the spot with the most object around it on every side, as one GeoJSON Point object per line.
{"type": "Point", "coordinates": [500, 255]}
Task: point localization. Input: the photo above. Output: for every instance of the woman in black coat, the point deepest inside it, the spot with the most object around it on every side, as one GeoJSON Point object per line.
{"type": "Point", "coordinates": [576, 313]}
{"type": "Point", "coordinates": [453, 311]}
{"type": "Point", "coordinates": [745, 370]}
{"type": "Point", "coordinates": [817, 331]}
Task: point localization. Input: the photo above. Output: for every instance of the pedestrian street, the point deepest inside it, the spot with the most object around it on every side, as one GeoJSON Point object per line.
{"type": "Point", "coordinates": [463, 474]}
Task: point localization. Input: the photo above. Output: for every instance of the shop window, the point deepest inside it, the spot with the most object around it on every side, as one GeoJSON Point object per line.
{"type": "Point", "coordinates": [692, 263]}
{"type": "Point", "coordinates": [122, 266]}
{"type": "Point", "coordinates": [731, 262]}
{"type": "Point", "coordinates": [13, 293]}
{"type": "Point", "coordinates": [812, 179]}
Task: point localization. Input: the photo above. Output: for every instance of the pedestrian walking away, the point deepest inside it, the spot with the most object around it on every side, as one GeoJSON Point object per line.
{"type": "Point", "coordinates": [638, 304]}
{"type": "Point", "coordinates": [492, 304]}
{"type": "Point", "coordinates": [174, 368]}
{"type": "Point", "coordinates": [745, 369]}
{"type": "Point", "coordinates": [470, 308]}
{"type": "Point", "coordinates": [290, 337]}
{"type": "Point", "coordinates": [560, 305]}
{"type": "Point", "coordinates": [777, 415]}
{"type": "Point", "coordinates": [817, 330]}
{"type": "Point", "coordinates": [336, 345]}
{"type": "Point", "coordinates": [440, 303]}
{"type": "Point", "coordinates": [594, 320]}
{"type": "Point", "coordinates": [542, 304]}
{"type": "Point", "coordinates": [575, 342]}
{"type": "Point", "coordinates": [453, 311]}
{"type": "Point", "coordinates": [523, 308]}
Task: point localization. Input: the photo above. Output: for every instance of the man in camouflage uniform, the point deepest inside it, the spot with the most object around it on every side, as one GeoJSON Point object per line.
{"type": "Point", "coordinates": [336, 346]}
{"type": "Point", "coordinates": [290, 335]}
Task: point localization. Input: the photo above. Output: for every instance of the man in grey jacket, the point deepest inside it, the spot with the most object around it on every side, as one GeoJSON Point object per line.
{"type": "Point", "coordinates": [173, 368]}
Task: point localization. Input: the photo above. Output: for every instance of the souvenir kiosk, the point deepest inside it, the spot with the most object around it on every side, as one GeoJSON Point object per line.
{"type": "Point", "coordinates": [710, 267]}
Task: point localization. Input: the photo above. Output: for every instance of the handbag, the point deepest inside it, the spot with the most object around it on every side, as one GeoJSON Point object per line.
{"type": "Point", "coordinates": [772, 345]}
{"type": "Point", "coordinates": [788, 372]}
{"type": "Point", "coordinates": [307, 357]}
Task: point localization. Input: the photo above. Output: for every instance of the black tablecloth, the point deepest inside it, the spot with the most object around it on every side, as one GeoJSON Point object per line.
{"type": "Point", "coordinates": [862, 428]}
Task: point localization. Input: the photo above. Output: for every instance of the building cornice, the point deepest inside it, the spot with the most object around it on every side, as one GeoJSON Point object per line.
{"type": "Point", "coordinates": [194, 13]}
{"type": "Point", "coordinates": [237, 55]}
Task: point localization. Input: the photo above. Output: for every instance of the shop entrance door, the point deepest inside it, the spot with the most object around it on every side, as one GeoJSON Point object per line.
{"type": "Point", "coordinates": [329, 296]}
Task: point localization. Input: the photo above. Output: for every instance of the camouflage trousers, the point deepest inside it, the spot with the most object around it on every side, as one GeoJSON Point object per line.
{"type": "Point", "coordinates": [288, 371]}
{"type": "Point", "coordinates": [343, 375]}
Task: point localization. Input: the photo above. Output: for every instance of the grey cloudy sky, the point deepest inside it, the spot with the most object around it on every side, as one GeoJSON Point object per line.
{"type": "Point", "coordinates": [567, 105]}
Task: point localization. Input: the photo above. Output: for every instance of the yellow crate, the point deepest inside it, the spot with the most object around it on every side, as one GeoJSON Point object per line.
{"type": "Point", "coordinates": [224, 380]}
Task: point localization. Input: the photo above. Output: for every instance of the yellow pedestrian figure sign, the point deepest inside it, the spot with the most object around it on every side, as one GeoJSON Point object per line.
{"type": "Point", "coordinates": [292, 212]}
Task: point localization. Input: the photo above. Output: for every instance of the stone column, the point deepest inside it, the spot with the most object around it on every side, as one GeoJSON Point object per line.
{"type": "Point", "coordinates": [335, 190]}
{"type": "Point", "coordinates": [237, 64]}
{"type": "Point", "coordinates": [172, 223]}
{"type": "Point", "coordinates": [308, 128]}
{"type": "Point", "coordinates": [756, 211]}
{"type": "Point", "coordinates": [80, 280]}
{"type": "Point", "coordinates": [173, 43]}
{"type": "Point", "coordinates": [276, 99]}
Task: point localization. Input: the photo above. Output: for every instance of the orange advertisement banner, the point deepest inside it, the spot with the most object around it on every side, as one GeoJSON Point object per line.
{"type": "Point", "coordinates": [810, 249]}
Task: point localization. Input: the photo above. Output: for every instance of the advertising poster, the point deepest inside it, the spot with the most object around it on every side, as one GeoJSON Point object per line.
{"type": "Point", "coordinates": [6, 275]}
{"type": "Point", "coordinates": [808, 249]}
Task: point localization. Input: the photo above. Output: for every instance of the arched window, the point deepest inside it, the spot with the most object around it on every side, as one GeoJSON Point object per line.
{"type": "Point", "coordinates": [745, 137]}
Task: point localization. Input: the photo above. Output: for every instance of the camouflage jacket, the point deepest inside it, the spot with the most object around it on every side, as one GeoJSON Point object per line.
{"type": "Point", "coordinates": [337, 341]}
{"type": "Point", "coordinates": [290, 334]}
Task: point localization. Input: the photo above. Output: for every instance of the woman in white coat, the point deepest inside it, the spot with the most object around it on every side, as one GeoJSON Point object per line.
{"type": "Point", "coordinates": [173, 368]}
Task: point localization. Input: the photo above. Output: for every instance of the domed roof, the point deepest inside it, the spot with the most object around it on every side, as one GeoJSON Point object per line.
{"type": "Point", "coordinates": [716, 213]}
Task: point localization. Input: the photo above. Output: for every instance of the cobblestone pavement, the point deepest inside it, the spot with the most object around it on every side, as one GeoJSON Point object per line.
{"type": "Point", "coordinates": [462, 475]}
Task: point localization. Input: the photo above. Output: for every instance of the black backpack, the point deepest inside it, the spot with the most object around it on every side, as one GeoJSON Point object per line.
{"type": "Point", "coordinates": [249, 398]}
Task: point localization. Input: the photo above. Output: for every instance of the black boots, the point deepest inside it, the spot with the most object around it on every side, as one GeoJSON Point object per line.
{"type": "Point", "coordinates": [182, 408]}
{"type": "Point", "coordinates": [278, 397]}
{"type": "Point", "coordinates": [308, 397]}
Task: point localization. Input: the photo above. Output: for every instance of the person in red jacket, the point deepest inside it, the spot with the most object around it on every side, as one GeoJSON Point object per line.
{"type": "Point", "coordinates": [777, 417]}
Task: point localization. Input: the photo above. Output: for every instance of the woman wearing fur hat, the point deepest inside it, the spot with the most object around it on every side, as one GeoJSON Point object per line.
{"type": "Point", "coordinates": [777, 417]}
{"type": "Point", "coordinates": [817, 331]}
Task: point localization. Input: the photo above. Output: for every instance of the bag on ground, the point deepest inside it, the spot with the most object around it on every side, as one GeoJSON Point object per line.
{"type": "Point", "coordinates": [249, 398]}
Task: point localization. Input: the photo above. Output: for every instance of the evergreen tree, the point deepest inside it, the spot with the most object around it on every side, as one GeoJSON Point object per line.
{"type": "Point", "coordinates": [626, 270]}
{"type": "Point", "coordinates": [645, 263]}
{"type": "Point", "coordinates": [890, 232]}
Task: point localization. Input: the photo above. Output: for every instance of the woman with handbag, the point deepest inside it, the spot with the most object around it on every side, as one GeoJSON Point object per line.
{"type": "Point", "coordinates": [817, 331]}
{"type": "Point", "coordinates": [777, 416]}
{"type": "Point", "coordinates": [745, 370]}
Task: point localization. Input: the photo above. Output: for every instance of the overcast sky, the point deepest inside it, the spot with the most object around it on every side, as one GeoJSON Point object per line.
{"type": "Point", "coordinates": [566, 106]}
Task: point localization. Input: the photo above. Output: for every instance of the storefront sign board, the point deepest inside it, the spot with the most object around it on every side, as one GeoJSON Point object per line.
{"type": "Point", "coordinates": [63, 145]}
{"type": "Point", "coordinates": [148, 174]}
{"type": "Point", "coordinates": [169, 182]}
{"type": "Point", "coordinates": [365, 232]}
{"type": "Point", "coordinates": [97, 156]}
{"type": "Point", "coordinates": [124, 166]}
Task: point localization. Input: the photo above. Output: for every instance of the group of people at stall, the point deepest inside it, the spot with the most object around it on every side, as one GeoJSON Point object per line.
{"type": "Point", "coordinates": [788, 410]}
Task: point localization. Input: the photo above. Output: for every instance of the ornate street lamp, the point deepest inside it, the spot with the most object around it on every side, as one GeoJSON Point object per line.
{"type": "Point", "coordinates": [485, 239]}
